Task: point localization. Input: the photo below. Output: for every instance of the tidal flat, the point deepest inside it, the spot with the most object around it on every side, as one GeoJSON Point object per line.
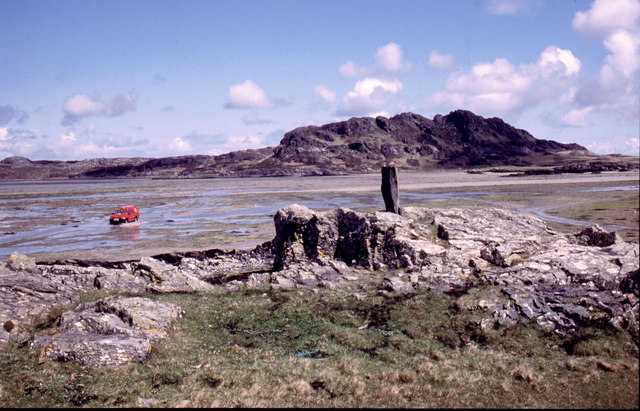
{"type": "Point", "coordinates": [69, 219]}
{"type": "Point", "coordinates": [351, 346]}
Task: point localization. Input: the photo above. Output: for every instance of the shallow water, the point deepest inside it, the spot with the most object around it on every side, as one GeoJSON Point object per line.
{"type": "Point", "coordinates": [51, 217]}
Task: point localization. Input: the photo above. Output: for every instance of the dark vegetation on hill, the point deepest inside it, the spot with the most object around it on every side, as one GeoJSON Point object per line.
{"type": "Point", "coordinates": [410, 141]}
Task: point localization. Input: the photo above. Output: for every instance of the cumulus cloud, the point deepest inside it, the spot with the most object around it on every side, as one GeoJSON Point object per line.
{"type": "Point", "coordinates": [615, 87]}
{"type": "Point", "coordinates": [350, 70]}
{"type": "Point", "coordinates": [324, 93]}
{"type": "Point", "coordinates": [79, 106]}
{"type": "Point", "coordinates": [606, 16]}
{"type": "Point", "coordinates": [624, 56]}
{"type": "Point", "coordinates": [501, 87]}
{"type": "Point", "coordinates": [388, 60]}
{"type": "Point", "coordinates": [511, 7]}
{"type": "Point", "coordinates": [369, 95]}
{"type": "Point", "coordinates": [247, 95]}
{"type": "Point", "coordinates": [10, 113]}
{"type": "Point", "coordinates": [440, 61]}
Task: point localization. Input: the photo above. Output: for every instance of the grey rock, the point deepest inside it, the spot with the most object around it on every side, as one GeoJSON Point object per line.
{"type": "Point", "coordinates": [166, 278]}
{"type": "Point", "coordinates": [598, 237]}
{"type": "Point", "coordinates": [397, 285]}
{"type": "Point", "coordinates": [21, 262]}
{"type": "Point", "coordinates": [111, 331]}
{"type": "Point", "coordinates": [24, 298]}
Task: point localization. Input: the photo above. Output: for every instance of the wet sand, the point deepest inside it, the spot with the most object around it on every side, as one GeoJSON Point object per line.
{"type": "Point", "coordinates": [69, 219]}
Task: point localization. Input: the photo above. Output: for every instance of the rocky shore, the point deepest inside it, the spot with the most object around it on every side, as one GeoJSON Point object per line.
{"type": "Point", "coordinates": [510, 267]}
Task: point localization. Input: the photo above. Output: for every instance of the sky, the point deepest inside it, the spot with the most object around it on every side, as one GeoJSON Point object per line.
{"type": "Point", "coordinates": [155, 78]}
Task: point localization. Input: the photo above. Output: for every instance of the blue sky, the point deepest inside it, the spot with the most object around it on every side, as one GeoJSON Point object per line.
{"type": "Point", "coordinates": [152, 78]}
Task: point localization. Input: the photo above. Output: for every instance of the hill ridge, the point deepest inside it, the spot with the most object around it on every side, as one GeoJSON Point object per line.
{"type": "Point", "coordinates": [410, 141]}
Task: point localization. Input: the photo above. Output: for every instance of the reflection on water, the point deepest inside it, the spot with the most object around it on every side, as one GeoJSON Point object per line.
{"type": "Point", "coordinates": [73, 220]}
{"type": "Point", "coordinates": [127, 232]}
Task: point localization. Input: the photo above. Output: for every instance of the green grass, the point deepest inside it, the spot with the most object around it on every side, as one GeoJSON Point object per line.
{"type": "Point", "coordinates": [325, 348]}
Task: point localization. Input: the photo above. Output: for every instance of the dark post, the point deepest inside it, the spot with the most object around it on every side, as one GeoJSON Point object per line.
{"type": "Point", "coordinates": [390, 189]}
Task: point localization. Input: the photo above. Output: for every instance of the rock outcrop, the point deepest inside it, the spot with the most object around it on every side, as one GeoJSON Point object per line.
{"type": "Point", "coordinates": [510, 268]}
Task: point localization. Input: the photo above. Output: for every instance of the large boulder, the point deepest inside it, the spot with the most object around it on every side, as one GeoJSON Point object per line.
{"type": "Point", "coordinates": [25, 298]}
{"type": "Point", "coordinates": [20, 262]}
{"type": "Point", "coordinates": [375, 240]}
{"type": "Point", "coordinates": [111, 331]}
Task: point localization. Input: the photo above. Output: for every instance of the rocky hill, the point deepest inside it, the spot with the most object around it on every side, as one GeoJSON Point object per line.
{"type": "Point", "coordinates": [459, 139]}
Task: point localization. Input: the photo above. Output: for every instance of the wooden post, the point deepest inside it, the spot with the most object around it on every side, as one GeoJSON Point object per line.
{"type": "Point", "coordinates": [390, 189]}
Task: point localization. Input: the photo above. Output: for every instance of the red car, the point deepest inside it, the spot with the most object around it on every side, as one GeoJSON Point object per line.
{"type": "Point", "coordinates": [126, 214]}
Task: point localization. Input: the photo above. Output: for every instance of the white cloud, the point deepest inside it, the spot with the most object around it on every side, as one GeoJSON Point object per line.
{"type": "Point", "coordinates": [247, 95]}
{"type": "Point", "coordinates": [615, 88]}
{"type": "Point", "coordinates": [554, 59]}
{"type": "Point", "coordinates": [606, 16]}
{"type": "Point", "coordinates": [501, 87]}
{"type": "Point", "coordinates": [76, 143]}
{"type": "Point", "coordinates": [618, 144]}
{"type": "Point", "coordinates": [576, 117]}
{"type": "Point", "coordinates": [624, 54]}
{"type": "Point", "coordinates": [18, 142]}
{"type": "Point", "coordinates": [511, 7]}
{"type": "Point", "coordinates": [388, 60]}
{"type": "Point", "coordinates": [66, 140]}
{"type": "Point", "coordinates": [78, 106]}
{"type": "Point", "coordinates": [180, 145]}
{"type": "Point", "coordinates": [349, 70]}
{"type": "Point", "coordinates": [325, 94]}
{"type": "Point", "coordinates": [380, 113]}
{"type": "Point", "coordinates": [440, 61]}
{"type": "Point", "coordinates": [369, 95]}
